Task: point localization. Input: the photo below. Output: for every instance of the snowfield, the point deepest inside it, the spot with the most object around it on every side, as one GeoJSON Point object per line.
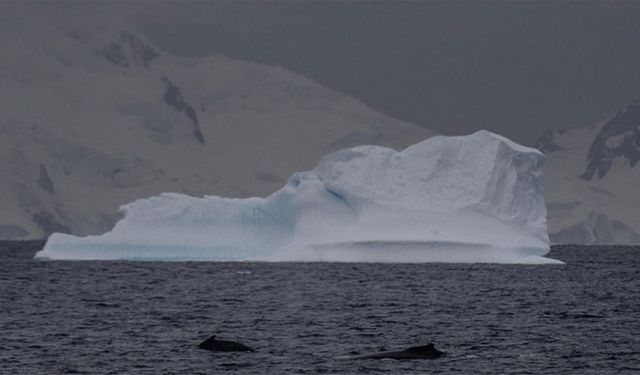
{"type": "Point", "coordinates": [91, 119]}
{"type": "Point", "coordinates": [592, 179]}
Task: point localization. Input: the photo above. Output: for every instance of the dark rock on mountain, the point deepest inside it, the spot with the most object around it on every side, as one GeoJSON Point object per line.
{"type": "Point", "coordinates": [619, 137]}
{"type": "Point", "coordinates": [45, 181]}
{"type": "Point", "coordinates": [127, 50]}
{"type": "Point", "coordinates": [546, 143]}
{"type": "Point", "coordinates": [173, 97]}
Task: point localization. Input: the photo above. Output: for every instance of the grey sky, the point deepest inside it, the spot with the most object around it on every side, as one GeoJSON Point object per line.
{"type": "Point", "coordinates": [510, 67]}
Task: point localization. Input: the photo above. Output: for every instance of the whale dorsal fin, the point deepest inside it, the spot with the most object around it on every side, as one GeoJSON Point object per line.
{"type": "Point", "coordinates": [210, 340]}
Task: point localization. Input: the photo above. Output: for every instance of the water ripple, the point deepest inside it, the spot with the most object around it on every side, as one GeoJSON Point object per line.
{"type": "Point", "coordinates": [147, 318]}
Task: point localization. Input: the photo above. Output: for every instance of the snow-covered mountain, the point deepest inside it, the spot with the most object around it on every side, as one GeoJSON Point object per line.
{"type": "Point", "coordinates": [90, 120]}
{"type": "Point", "coordinates": [592, 181]}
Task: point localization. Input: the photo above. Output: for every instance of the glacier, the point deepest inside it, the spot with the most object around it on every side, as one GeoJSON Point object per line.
{"type": "Point", "coordinates": [474, 198]}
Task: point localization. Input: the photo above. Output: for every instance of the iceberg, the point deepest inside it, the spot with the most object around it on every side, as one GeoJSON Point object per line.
{"type": "Point", "coordinates": [474, 198]}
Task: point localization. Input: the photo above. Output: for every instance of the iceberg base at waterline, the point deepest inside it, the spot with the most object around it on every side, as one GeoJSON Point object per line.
{"type": "Point", "coordinates": [475, 198]}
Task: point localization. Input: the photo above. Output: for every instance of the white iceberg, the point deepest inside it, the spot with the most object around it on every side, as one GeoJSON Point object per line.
{"type": "Point", "coordinates": [475, 198]}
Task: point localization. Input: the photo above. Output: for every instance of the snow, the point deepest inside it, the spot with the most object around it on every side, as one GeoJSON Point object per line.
{"type": "Point", "coordinates": [596, 211]}
{"type": "Point", "coordinates": [475, 198]}
{"type": "Point", "coordinates": [103, 129]}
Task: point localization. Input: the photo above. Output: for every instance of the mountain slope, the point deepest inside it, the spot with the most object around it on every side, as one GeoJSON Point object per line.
{"type": "Point", "coordinates": [92, 120]}
{"type": "Point", "coordinates": [592, 180]}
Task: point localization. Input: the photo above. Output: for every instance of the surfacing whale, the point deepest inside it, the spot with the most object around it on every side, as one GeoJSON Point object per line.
{"type": "Point", "coordinates": [223, 346]}
{"type": "Point", "coordinates": [415, 352]}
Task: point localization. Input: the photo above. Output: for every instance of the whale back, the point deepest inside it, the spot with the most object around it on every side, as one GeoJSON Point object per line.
{"type": "Point", "coordinates": [424, 350]}
{"type": "Point", "coordinates": [223, 346]}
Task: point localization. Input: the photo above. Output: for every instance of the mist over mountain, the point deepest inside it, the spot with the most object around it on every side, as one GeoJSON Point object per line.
{"type": "Point", "coordinates": [92, 118]}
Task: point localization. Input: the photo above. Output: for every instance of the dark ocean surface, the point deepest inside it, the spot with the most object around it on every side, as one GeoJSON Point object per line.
{"type": "Point", "coordinates": [61, 317]}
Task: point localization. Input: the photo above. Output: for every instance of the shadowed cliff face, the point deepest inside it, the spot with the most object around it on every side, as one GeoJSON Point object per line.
{"type": "Point", "coordinates": [619, 138]}
{"type": "Point", "coordinates": [173, 97]}
{"type": "Point", "coordinates": [44, 181]}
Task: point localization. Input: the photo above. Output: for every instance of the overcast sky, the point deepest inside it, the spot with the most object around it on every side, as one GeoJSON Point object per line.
{"type": "Point", "coordinates": [510, 67]}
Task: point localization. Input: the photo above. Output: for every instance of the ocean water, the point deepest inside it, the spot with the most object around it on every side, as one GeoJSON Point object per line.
{"type": "Point", "coordinates": [61, 317]}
